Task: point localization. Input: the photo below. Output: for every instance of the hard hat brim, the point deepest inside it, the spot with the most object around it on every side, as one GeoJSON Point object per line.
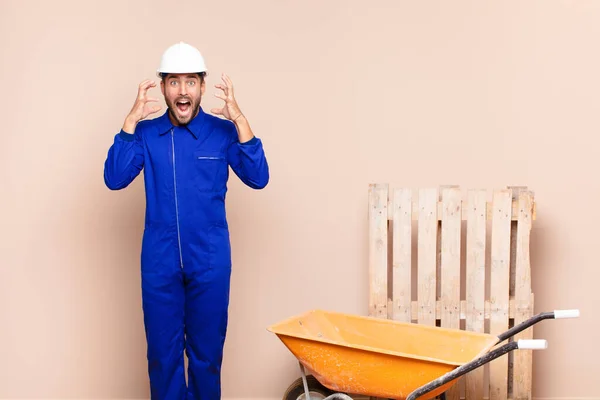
{"type": "Point", "coordinates": [159, 73]}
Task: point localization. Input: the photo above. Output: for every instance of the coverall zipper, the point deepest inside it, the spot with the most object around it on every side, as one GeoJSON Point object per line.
{"type": "Point", "coordinates": [176, 205]}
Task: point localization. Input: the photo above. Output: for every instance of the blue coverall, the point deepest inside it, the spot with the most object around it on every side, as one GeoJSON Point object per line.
{"type": "Point", "coordinates": [186, 253]}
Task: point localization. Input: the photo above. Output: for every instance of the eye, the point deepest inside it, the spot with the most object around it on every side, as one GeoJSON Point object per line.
{"type": "Point", "coordinates": [191, 83]}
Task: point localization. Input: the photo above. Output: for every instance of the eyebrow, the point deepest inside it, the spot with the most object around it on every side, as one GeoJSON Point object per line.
{"type": "Point", "coordinates": [193, 76]}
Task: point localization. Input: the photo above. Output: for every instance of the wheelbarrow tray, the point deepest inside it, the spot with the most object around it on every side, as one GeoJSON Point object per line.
{"type": "Point", "coordinates": [377, 357]}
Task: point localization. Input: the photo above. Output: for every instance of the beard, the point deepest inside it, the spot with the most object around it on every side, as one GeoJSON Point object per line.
{"type": "Point", "coordinates": [183, 109]}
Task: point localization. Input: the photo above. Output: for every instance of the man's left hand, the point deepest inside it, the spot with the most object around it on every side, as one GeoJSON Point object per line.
{"type": "Point", "coordinates": [230, 110]}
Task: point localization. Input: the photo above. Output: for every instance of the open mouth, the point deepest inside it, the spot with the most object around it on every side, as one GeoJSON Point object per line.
{"type": "Point", "coordinates": [183, 105]}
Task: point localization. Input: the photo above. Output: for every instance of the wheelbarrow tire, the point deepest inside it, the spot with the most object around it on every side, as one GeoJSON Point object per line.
{"type": "Point", "coordinates": [296, 389]}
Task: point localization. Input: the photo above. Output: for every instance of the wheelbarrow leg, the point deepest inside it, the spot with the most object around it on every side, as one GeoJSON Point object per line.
{"type": "Point", "coordinates": [335, 396]}
{"type": "Point", "coordinates": [306, 391]}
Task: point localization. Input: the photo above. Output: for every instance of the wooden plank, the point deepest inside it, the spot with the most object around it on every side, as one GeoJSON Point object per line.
{"type": "Point", "coordinates": [514, 211]}
{"type": "Point", "coordinates": [513, 255]}
{"type": "Point", "coordinates": [513, 234]}
{"type": "Point", "coordinates": [378, 250]}
{"type": "Point", "coordinates": [499, 292]}
{"type": "Point", "coordinates": [427, 247]}
{"type": "Point", "coordinates": [450, 265]}
{"type": "Point", "coordinates": [475, 281]}
{"type": "Point", "coordinates": [463, 309]}
{"type": "Point", "coordinates": [522, 365]}
{"type": "Point", "coordinates": [401, 245]}
{"type": "Point", "coordinates": [440, 212]}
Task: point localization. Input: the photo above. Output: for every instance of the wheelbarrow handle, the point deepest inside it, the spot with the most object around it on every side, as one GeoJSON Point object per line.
{"type": "Point", "coordinates": [557, 314]}
{"type": "Point", "coordinates": [566, 314]}
{"type": "Point", "coordinates": [534, 344]}
{"type": "Point", "coordinates": [523, 344]}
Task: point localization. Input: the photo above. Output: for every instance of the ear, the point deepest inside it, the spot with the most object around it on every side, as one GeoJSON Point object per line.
{"type": "Point", "coordinates": [162, 86]}
{"type": "Point", "coordinates": [203, 87]}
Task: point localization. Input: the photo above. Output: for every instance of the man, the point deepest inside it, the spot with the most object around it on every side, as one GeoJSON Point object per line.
{"type": "Point", "coordinates": [186, 254]}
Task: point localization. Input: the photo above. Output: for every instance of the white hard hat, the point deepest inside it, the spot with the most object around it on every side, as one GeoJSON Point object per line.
{"type": "Point", "coordinates": [181, 58]}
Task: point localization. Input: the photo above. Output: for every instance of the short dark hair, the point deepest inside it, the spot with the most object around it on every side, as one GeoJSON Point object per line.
{"type": "Point", "coordinates": [202, 75]}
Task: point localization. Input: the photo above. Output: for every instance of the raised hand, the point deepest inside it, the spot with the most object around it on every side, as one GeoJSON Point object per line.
{"type": "Point", "coordinates": [142, 106]}
{"type": "Point", "coordinates": [230, 110]}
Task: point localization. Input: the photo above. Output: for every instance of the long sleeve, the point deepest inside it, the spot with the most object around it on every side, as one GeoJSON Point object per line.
{"type": "Point", "coordinates": [248, 161]}
{"type": "Point", "coordinates": [124, 161]}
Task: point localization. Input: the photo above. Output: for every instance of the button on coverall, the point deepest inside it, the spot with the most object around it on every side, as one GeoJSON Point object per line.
{"type": "Point", "coordinates": [186, 253]}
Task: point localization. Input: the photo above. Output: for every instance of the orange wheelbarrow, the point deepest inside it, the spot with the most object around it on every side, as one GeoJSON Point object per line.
{"type": "Point", "coordinates": [355, 355]}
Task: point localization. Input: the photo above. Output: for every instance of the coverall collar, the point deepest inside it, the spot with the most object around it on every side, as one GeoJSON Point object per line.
{"type": "Point", "coordinates": [164, 123]}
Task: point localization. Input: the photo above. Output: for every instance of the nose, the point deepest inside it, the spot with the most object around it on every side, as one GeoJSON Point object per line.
{"type": "Point", "coordinates": [182, 90]}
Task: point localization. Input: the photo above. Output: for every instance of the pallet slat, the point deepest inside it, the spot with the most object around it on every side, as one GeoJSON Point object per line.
{"type": "Point", "coordinates": [523, 300]}
{"type": "Point", "coordinates": [514, 211]}
{"type": "Point", "coordinates": [427, 256]}
{"type": "Point", "coordinates": [475, 304]}
{"type": "Point", "coordinates": [401, 250]}
{"type": "Point", "coordinates": [463, 310]}
{"type": "Point", "coordinates": [378, 248]}
{"type": "Point", "coordinates": [450, 265]}
{"type": "Point", "coordinates": [450, 258]}
{"type": "Point", "coordinates": [499, 291]}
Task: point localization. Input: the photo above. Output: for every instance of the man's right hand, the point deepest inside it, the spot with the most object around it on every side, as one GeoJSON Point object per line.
{"type": "Point", "coordinates": [142, 107]}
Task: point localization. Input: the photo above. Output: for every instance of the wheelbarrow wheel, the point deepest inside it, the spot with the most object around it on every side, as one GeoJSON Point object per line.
{"type": "Point", "coordinates": [315, 389]}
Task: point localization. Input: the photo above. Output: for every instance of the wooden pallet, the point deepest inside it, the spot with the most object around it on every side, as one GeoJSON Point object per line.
{"type": "Point", "coordinates": [460, 260]}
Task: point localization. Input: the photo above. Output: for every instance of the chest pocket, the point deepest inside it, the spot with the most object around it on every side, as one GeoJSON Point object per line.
{"type": "Point", "coordinates": [210, 170]}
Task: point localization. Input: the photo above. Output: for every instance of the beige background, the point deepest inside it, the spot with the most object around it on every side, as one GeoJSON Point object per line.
{"type": "Point", "coordinates": [343, 93]}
